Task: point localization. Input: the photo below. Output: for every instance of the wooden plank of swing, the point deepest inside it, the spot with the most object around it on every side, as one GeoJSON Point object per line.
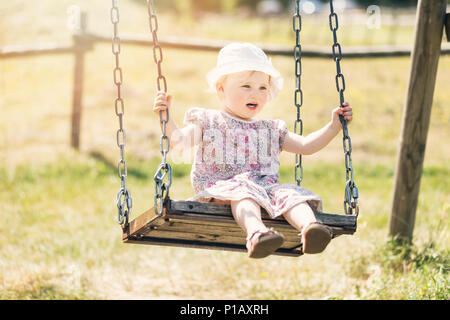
{"type": "Point", "coordinates": [230, 234]}
{"type": "Point", "coordinates": [205, 236]}
{"type": "Point", "coordinates": [202, 240]}
{"type": "Point", "coordinates": [207, 231]}
{"type": "Point", "coordinates": [219, 209]}
{"type": "Point", "coordinates": [211, 226]}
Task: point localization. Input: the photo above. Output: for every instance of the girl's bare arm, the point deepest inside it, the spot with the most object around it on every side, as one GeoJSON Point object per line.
{"type": "Point", "coordinates": [185, 137]}
{"type": "Point", "coordinates": [317, 140]}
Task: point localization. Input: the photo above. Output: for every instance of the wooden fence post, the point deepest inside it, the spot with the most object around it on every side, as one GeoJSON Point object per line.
{"type": "Point", "coordinates": [78, 71]}
{"type": "Point", "coordinates": [416, 116]}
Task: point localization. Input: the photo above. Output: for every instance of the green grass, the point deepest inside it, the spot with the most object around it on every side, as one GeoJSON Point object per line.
{"type": "Point", "coordinates": [402, 271]}
{"type": "Point", "coordinates": [59, 238]}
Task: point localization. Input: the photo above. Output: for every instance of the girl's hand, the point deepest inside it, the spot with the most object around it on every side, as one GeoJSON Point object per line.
{"type": "Point", "coordinates": [346, 111]}
{"type": "Point", "coordinates": [162, 101]}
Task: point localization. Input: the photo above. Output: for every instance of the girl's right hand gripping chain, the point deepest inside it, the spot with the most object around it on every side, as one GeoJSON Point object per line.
{"type": "Point", "coordinates": [162, 101]}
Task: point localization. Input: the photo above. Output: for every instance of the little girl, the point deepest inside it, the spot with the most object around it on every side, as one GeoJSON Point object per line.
{"type": "Point", "coordinates": [237, 157]}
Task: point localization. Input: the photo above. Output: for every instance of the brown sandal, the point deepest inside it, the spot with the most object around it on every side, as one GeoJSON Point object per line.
{"type": "Point", "coordinates": [265, 244]}
{"type": "Point", "coordinates": [315, 237]}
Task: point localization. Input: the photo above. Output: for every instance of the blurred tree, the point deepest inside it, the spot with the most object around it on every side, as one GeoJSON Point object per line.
{"type": "Point", "coordinates": [196, 6]}
{"type": "Point", "coordinates": [388, 3]}
{"type": "Point", "coordinates": [229, 5]}
{"type": "Point", "coordinates": [206, 5]}
{"type": "Point", "coordinates": [254, 3]}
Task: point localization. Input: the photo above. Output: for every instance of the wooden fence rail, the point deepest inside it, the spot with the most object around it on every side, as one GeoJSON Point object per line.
{"type": "Point", "coordinates": [275, 50]}
{"type": "Point", "coordinates": [40, 49]}
{"type": "Point", "coordinates": [86, 42]}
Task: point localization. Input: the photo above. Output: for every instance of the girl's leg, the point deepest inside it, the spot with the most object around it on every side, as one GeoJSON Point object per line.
{"type": "Point", "coordinates": [261, 241]}
{"type": "Point", "coordinates": [315, 236]}
{"type": "Point", "coordinates": [247, 214]}
{"type": "Point", "coordinates": [300, 216]}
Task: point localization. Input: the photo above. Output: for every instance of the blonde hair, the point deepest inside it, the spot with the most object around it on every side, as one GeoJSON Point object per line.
{"type": "Point", "coordinates": [223, 78]}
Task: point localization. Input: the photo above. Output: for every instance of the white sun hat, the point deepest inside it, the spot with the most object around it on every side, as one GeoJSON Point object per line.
{"type": "Point", "coordinates": [237, 57]}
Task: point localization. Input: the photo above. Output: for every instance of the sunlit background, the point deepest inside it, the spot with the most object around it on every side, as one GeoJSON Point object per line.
{"type": "Point", "coordinates": [59, 238]}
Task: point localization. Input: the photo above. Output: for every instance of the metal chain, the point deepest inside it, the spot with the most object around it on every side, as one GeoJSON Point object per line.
{"type": "Point", "coordinates": [164, 170]}
{"type": "Point", "coordinates": [124, 202]}
{"type": "Point", "coordinates": [351, 191]}
{"type": "Point", "coordinates": [298, 93]}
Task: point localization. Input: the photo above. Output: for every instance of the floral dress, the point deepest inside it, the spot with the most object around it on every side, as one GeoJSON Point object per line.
{"type": "Point", "coordinates": [238, 159]}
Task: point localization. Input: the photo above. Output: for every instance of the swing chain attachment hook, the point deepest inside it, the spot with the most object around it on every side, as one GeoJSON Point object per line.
{"type": "Point", "coordinates": [122, 214]}
{"type": "Point", "coordinates": [162, 189]}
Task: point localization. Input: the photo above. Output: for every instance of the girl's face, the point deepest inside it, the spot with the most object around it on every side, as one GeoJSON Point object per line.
{"type": "Point", "coordinates": [245, 93]}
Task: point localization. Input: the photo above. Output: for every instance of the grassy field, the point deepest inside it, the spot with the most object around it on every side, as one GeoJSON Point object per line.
{"type": "Point", "coordinates": [59, 238]}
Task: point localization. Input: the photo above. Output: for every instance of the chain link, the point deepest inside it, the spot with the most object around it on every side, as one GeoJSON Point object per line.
{"type": "Point", "coordinates": [298, 93]}
{"type": "Point", "coordinates": [124, 201]}
{"type": "Point", "coordinates": [164, 170]}
{"type": "Point", "coordinates": [351, 191]}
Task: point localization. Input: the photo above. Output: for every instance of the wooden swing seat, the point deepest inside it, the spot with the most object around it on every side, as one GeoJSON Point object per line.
{"type": "Point", "coordinates": [210, 225]}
